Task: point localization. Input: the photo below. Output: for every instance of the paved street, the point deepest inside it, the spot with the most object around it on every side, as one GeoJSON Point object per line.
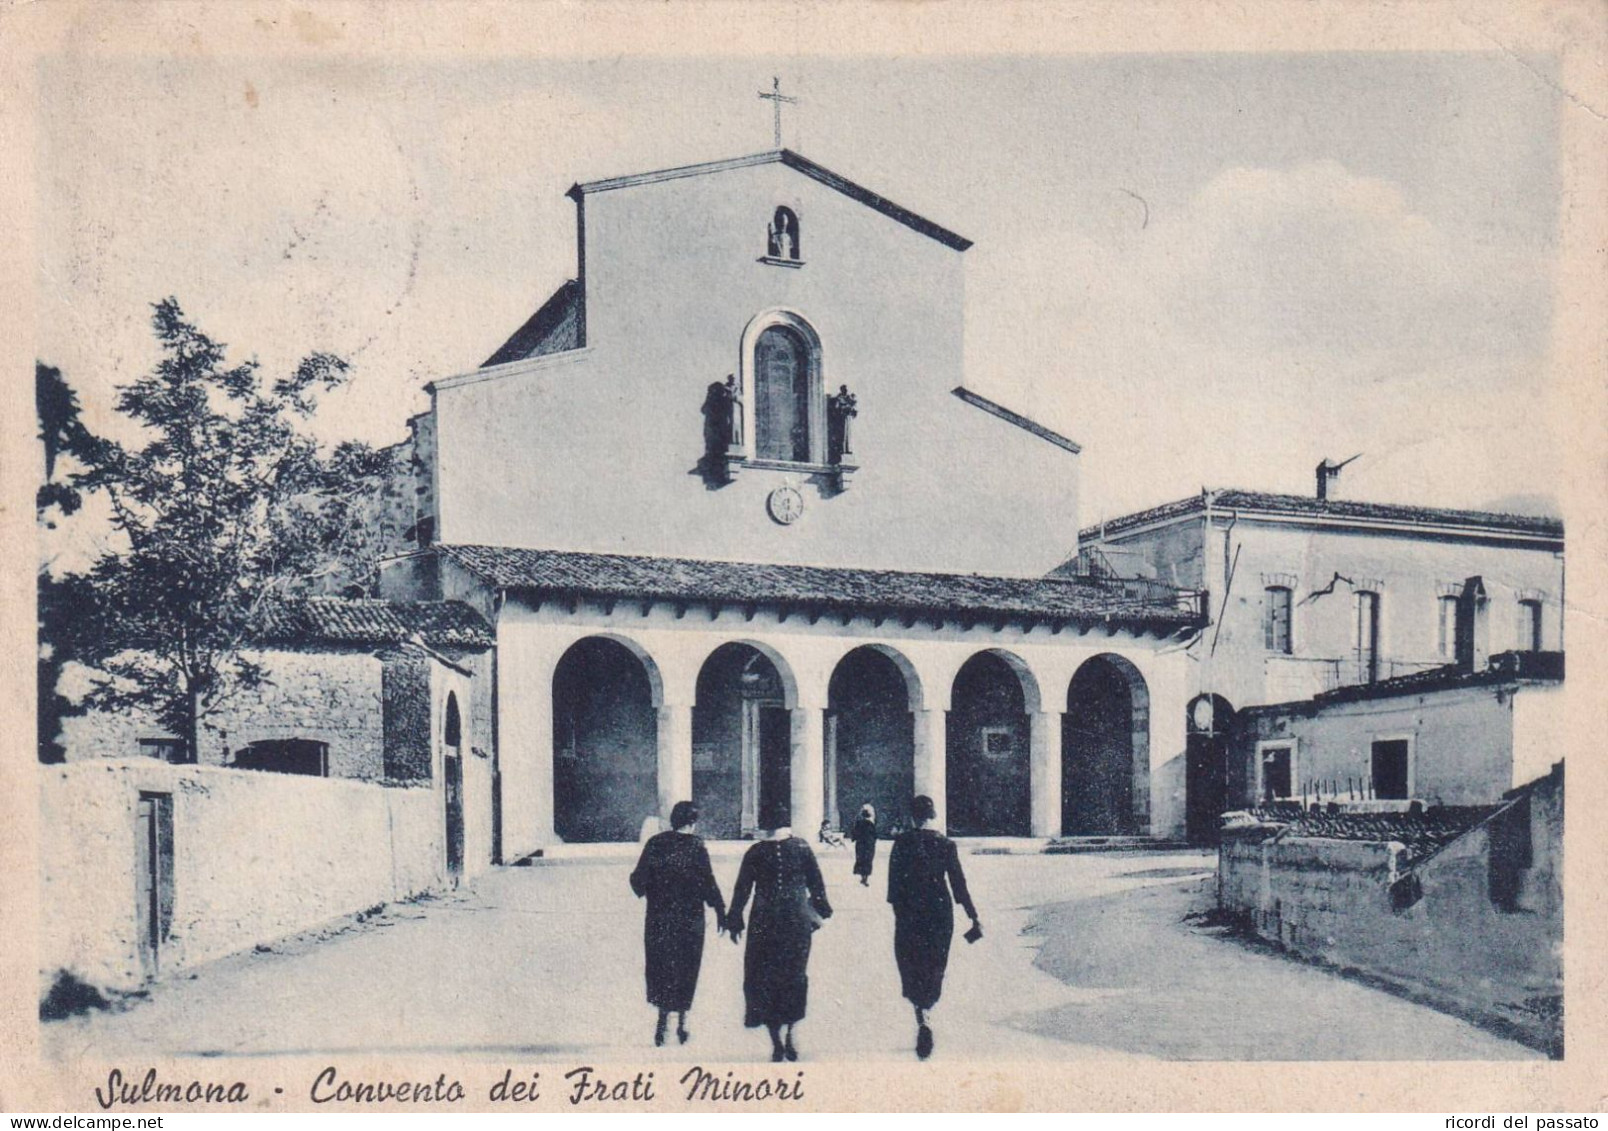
{"type": "Point", "coordinates": [1085, 957]}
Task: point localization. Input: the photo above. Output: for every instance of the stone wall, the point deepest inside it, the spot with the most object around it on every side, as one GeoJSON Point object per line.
{"type": "Point", "coordinates": [325, 696]}
{"type": "Point", "coordinates": [256, 856]}
{"type": "Point", "coordinates": [1443, 937]}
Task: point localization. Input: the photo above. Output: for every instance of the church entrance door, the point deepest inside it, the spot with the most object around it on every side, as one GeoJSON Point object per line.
{"type": "Point", "coordinates": [741, 743]}
{"type": "Point", "coordinates": [773, 759]}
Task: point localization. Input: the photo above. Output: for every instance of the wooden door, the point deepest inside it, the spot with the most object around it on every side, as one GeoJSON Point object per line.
{"type": "Point", "coordinates": [154, 876]}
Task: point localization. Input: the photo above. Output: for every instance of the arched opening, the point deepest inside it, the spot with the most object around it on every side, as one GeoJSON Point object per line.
{"type": "Point", "coordinates": [742, 743]}
{"type": "Point", "coordinates": [1105, 751]}
{"type": "Point", "coordinates": [452, 783]}
{"type": "Point", "coordinates": [987, 767]}
{"type": "Point", "coordinates": [782, 395]}
{"type": "Point", "coordinates": [605, 742]}
{"type": "Point", "coordinates": [870, 739]}
{"type": "Point", "coordinates": [1206, 785]}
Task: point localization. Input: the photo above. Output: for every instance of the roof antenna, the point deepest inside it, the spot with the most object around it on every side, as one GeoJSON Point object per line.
{"type": "Point", "coordinates": [1329, 471]}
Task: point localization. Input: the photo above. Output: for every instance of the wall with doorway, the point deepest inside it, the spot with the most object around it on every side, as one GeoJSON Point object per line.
{"type": "Point", "coordinates": [255, 856]}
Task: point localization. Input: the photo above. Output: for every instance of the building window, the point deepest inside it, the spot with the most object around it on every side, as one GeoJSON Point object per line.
{"type": "Point", "coordinates": [285, 756]}
{"type": "Point", "coordinates": [1367, 638]}
{"type": "Point", "coordinates": [1277, 772]}
{"type": "Point", "coordinates": [162, 749]}
{"type": "Point", "coordinates": [1390, 776]}
{"type": "Point", "coordinates": [998, 742]}
{"type": "Point", "coordinates": [1446, 627]}
{"type": "Point", "coordinates": [783, 395]}
{"type": "Point", "coordinates": [1276, 627]}
{"type": "Point", "coordinates": [1530, 638]}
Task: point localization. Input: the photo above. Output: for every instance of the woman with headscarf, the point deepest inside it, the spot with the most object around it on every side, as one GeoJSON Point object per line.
{"type": "Point", "coordinates": [675, 876]}
{"type": "Point", "coordinates": [923, 869]}
{"type": "Point", "coordinates": [864, 834]}
{"type": "Point", "coordinates": [789, 905]}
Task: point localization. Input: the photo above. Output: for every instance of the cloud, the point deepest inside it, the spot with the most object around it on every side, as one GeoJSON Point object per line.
{"type": "Point", "coordinates": [1320, 260]}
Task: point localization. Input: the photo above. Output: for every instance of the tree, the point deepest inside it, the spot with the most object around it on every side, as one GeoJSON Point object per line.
{"type": "Point", "coordinates": [229, 505]}
{"type": "Point", "coordinates": [60, 602]}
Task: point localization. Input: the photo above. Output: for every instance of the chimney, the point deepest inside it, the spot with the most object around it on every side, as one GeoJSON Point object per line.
{"type": "Point", "coordinates": [1328, 472]}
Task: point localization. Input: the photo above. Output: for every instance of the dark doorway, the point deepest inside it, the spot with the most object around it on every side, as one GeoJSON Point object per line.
{"type": "Point", "coordinates": [154, 874]}
{"type": "Point", "coordinates": [775, 766]}
{"type": "Point", "coordinates": [605, 743]}
{"type": "Point", "coordinates": [741, 743]}
{"type": "Point", "coordinates": [987, 760]}
{"type": "Point", "coordinates": [1206, 768]}
{"type": "Point", "coordinates": [452, 783]}
{"type": "Point", "coordinates": [1390, 770]}
{"type": "Point", "coordinates": [1105, 751]}
{"type": "Point", "coordinates": [871, 751]}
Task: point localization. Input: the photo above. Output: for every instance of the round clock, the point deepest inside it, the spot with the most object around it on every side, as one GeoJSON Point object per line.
{"type": "Point", "coordinates": [785, 505]}
{"type": "Point", "coordinates": [1203, 715]}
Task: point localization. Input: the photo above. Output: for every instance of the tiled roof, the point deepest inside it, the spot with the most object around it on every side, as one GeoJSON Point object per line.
{"type": "Point", "coordinates": [366, 621]}
{"type": "Point", "coordinates": [622, 577]}
{"type": "Point", "coordinates": [1422, 833]}
{"type": "Point", "coordinates": [1313, 507]}
{"type": "Point", "coordinates": [1505, 667]}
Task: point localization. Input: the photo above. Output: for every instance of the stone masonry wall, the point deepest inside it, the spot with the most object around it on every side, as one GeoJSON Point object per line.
{"type": "Point", "coordinates": [325, 696]}
{"type": "Point", "coordinates": [1331, 900]}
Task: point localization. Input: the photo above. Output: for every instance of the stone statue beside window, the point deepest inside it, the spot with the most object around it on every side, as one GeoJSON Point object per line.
{"type": "Point", "coordinates": [841, 408]}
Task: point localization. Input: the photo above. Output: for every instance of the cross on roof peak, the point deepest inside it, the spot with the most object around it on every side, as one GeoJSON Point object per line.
{"type": "Point", "coordinates": [775, 97]}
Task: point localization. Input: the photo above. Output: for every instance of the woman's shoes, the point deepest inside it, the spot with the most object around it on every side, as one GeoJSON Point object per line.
{"type": "Point", "coordinates": [788, 1050]}
{"type": "Point", "coordinates": [777, 1053]}
{"type": "Point", "coordinates": [681, 1034]}
{"type": "Point", "coordinates": [658, 1032]}
{"type": "Point", "coordinates": [923, 1042]}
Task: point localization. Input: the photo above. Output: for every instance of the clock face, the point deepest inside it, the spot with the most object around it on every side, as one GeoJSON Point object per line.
{"type": "Point", "coordinates": [1203, 714]}
{"type": "Point", "coordinates": [785, 505]}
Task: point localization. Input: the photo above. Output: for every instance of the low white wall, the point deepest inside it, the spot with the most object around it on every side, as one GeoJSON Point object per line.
{"type": "Point", "coordinates": [255, 856]}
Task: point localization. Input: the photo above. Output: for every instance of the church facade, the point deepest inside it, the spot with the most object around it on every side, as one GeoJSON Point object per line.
{"type": "Point", "coordinates": [745, 535]}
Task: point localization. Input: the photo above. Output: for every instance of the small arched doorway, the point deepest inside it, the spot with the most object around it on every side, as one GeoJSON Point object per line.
{"type": "Point", "coordinates": [870, 739]}
{"type": "Point", "coordinates": [1105, 750]}
{"type": "Point", "coordinates": [452, 784]}
{"type": "Point", "coordinates": [742, 743]}
{"type": "Point", "coordinates": [989, 783]}
{"type": "Point", "coordinates": [1206, 767]}
{"type": "Point", "coordinates": [605, 743]}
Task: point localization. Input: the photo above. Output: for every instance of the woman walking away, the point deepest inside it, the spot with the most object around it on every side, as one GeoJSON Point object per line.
{"type": "Point", "coordinates": [864, 835]}
{"type": "Point", "coordinates": [674, 874]}
{"type": "Point", "coordinates": [923, 869]}
{"type": "Point", "coordinates": [789, 904]}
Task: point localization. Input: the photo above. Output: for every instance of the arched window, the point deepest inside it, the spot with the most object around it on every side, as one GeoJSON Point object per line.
{"type": "Point", "coordinates": [782, 395]}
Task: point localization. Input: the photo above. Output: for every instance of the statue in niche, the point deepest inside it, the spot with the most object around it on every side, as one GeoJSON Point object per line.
{"type": "Point", "coordinates": [841, 407]}
{"type": "Point", "coordinates": [781, 236]}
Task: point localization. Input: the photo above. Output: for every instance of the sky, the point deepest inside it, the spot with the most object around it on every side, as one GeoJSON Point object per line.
{"type": "Point", "coordinates": [1209, 270]}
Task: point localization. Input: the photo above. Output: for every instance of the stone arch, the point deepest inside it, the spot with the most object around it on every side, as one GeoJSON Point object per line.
{"type": "Point", "coordinates": [988, 735]}
{"type": "Point", "coordinates": [744, 697]}
{"type": "Point", "coordinates": [870, 735]}
{"type": "Point", "coordinates": [606, 691]}
{"type": "Point", "coordinates": [1105, 750]}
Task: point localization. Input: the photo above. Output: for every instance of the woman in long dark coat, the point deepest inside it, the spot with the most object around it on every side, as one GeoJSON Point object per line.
{"type": "Point", "coordinates": [675, 876]}
{"type": "Point", "coordinates": [864, 834]}
{"type": "Point", "coordinates": [789, 904]}
{"type": "Point", "coordinates": [923, 869]}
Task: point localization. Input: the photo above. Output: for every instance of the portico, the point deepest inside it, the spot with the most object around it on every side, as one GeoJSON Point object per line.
{"type": "Point", "coordinates": [767, 692]}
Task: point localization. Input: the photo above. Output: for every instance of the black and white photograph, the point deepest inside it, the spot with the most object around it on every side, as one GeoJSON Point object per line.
{"type": "Point", "coordinates": [802, 557]}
